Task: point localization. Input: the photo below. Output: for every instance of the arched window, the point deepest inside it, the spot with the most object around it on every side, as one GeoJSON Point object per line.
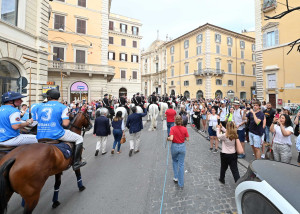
{"type": "Point", "coordinates": [199, 94]}
{"type": "Point", "coordinates": [122, 91]}
{"type": "Point", "coordinates": [9, 75]}
{"type": "Point", "coordinates": [173, 92]}
{"type": "Point", "coordinates": [219, 94]}
{"type": "Point", "coordinates": [187, 94]}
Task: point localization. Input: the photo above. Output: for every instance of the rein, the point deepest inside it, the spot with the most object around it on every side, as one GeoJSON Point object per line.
{"type": "Point", "coordinates": [83, 129]}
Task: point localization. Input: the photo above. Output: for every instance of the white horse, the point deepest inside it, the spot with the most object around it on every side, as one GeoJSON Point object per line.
{"type": "Point", "coordinates": [153, 112]}
{"type": "Point", "coordinates": [124, 113]}
{"type": "Point", "coordinates": [163, 109]}
{"type": "Point", "coordinates": [146, 106]}
{"type": "Point", "coordinates": [116, 105]}
{"type": "Point", "coordinates": [173, 104]}
{"type": "Point", "coordinates": [139, 109]}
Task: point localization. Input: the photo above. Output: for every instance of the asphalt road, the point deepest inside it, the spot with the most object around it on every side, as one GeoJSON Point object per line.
{"type": "Point", "coordinates": [122, 184]}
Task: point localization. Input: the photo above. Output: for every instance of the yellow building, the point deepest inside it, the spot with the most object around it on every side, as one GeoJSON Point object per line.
{"type": "Point", "coordinates": [78, 43]}
{"type": "Point", "coordinates": [210, 62]}
{"type": "Point", "coordinates": [124, 55]}
{"type": "Point", "coordinates": [154, 68]}
{"type": "Point", "coordinates": [277, 71]}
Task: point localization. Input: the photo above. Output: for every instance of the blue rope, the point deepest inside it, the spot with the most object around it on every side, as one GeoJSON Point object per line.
{"type": "Point", "coordinates": [162, 198]}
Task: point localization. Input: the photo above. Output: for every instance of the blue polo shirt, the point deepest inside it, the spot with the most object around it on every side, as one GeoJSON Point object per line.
{"type": "Point", "coordinates": [9, 116]}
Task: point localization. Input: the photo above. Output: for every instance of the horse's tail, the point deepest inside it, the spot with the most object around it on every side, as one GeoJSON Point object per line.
{"type": "Point", "coordinates": [4, 183]}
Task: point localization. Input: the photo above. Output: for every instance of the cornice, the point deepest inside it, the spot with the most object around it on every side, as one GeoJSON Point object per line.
{"type": "Point", "coordinates": [125, 34]}
{"type": "Point", "coordinates": [125, 21]}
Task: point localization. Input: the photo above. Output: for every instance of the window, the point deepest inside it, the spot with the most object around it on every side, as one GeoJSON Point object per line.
{"type": "Point", "coordinates": [218, 49]}
{"type": "Point", "coordinates": [123, 74]}
{"type": "Point", "coordinates": [186, 68]}
{"type": "Point", "coordinates": [172, 50]}
{"type": "Point", "coordinates": [82, 3]}
{"type": "Point", "coordinates": [243, 95]}
{"type": "Point", "coordinates": [186, 83]}
{"type": "Point", "coordinates": [269, 4]}
{"type": "Point", "coordinates": [229, 41]}
{"type": "Point", "coordinates": [172, 59]}
{"type": "Point", "coordinates": [186, 54]}
{"type": "Point", "coordinates": [230, 82]}
{"type": "Point", "coordinates": [123, 57]}
{"type": "Point", "coordinates": [156, 67]}
{"type": "Point", "coordinates": [134, 58]}
{"type": "Point", "coordinates": [80, 56]}
{"type": "Point", "coordinates": [135, 30]}
{"type": "Point", "coordinates": [123, 28]}
{"type": "Point", "coordinates": [254, 70]}
{"type": "Point", "coordinates": [229, 67]}
{"type": "Point", "coordinates": [254, 84]}
{"type": "Point", "coordinates": [242, 44]}
{"type": "Point", "coordinates": [242, 68]}
{"type": "Point", "coordinates": [271, 39]}
{"type": "Point", "coordinates": [111, 55]}
{"type": "Point", "coordinates": [199, 81]}
{"type": "Point", "coordinates": [218, 82]}
{"type": "Point", "coordinates": [229, 51]}
{"type": "Point", "coordinates": [242, 54]}
{"type": "Point", "coordinates": [111, 25]}
{"type": "Point", "coordinates": [9, 11]}
{"type": "Point", "coordinates": [111, 40]}
{"type": "Point", "coordinates": [242, 83]}
{"type": "Point", "coordinates": [172, 72]}
{"type": "Point", "coordinates": [81, 26]}
{"type": "Point", "coordinates": [199, 65]}
{"type": "Point", "coordinates": [253, 47]}
{"type": "Point", "coordinates": [59, 22]}
{"type": "Point", "coordinates": [199, 50]}
{"type": "Point", "coordinates": [172, 82]}
{"type": "Point", "coordinates": [253, 57]}
{"type": "Point", "coordinates": [134, 75]}
{"type": "Point", "coordinates": [123, 42]}
{"type": "Point", "coordinates": [218, 38]}
{"type": "Point", "coordinates": [134, 44]}
{"type": "Point", "coordinates": [59, 53]}
{"type": "Point", "coordinates": [186, 44]}
{"type": "Point", "coordinates": [272, 81]}
{"type": "Point", "coordinates": [218, 65]}
{"type": "Point", "coordinates": [199, 38]}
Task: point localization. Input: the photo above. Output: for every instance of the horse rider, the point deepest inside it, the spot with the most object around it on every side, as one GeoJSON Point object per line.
{"type": "Point", "coordinates": [166, 98]}
{"type": "Point", "coordinates": [143, 99]}
{"type": "Point", "coordinates": [10, 121]}
{"type": "Point", "coordinates": [123, 103]}
{"type": "Point", "coordinates": [106, 103]}
{"type": "Point", "coordinates": [139, 101]}
{"type": "Point", "coordinates": [153, 100]}
{"type": "Point", "coordinates": [133, 100]}
{"type": "Point", "coordinates": [52, 117]}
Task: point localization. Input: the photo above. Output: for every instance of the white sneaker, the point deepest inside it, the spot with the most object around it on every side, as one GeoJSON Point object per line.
{"type": "Point", "coordinates": [263, 156]}
{"type": "Point", "coordinates": [175, 179]}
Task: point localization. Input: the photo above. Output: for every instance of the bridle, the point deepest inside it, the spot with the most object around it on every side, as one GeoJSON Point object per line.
{"type": "Point", "coordinates": [83, 129]}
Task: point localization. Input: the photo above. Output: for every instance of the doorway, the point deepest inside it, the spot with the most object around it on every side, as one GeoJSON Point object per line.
{"type": "Point", "coordinates": [272, 100]}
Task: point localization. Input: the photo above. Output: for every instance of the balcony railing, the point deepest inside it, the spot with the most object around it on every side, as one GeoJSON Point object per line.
{"type": "Point", "coordinates": [269, 5]}
{"type": "Point", "coordinates": [209, 71]}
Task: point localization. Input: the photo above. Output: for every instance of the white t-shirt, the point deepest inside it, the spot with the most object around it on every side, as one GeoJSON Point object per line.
{"type": "Point", "coordinates": [223, 113]}
{"type": "Point", "coordinates": [279, 138]}
{"type": "Point", "coordinates": [238, 118]}
{"type": "Point", "coordinates": [213, 120]}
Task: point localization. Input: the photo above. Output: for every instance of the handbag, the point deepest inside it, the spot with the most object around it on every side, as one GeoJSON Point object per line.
{"type": "Point", "coordinates": [123, 140]}
{"type": "Point", "coordinates": [296, 130]}
{"type": "Point", "coordinates": [238, 147]}
{"type": "Point", "coordinates": [269, 155]}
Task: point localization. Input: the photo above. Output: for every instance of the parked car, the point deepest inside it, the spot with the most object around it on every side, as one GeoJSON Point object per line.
{"type": "Point", "coordinates": [269, 187]}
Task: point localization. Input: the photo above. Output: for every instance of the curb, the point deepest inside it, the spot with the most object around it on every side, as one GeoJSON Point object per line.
{"type": "Point", "coordinates": [243, 162]}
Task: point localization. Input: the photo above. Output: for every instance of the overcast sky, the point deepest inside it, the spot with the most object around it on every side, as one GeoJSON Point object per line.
{"type": "Point", "coordinates": [177, 17]}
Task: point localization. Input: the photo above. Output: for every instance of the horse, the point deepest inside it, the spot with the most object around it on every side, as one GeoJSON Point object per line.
{"type": "Point", "coordinates": [163, 109]}
{"type": "Point", "coordinates": [173, 104]}
{"type": "Point", "coordinates": [139, 109]}
{"type": "Point", "coordinates": [25, 173]}
{"type": "Point", "coordinates": [153, 112]}
{"type": "Point", "coordinates": [124, 113]}
{"type": "Point", "coordinates": [146, 106]}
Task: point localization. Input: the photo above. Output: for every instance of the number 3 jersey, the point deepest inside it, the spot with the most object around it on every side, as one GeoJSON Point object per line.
{"type": "Point", "coordinates": [50, 116]}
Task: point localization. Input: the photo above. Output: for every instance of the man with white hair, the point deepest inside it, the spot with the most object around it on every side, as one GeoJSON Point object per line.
{"type": "Point", "coordinates": [102, 130]}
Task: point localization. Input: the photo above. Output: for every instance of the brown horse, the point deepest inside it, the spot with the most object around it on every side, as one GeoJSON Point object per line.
{"type": "Point", "coordinates": [25, 169]}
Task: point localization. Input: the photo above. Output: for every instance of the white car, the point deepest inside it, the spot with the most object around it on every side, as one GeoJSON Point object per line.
{"type": "Point", "coordinates": [269, 187]}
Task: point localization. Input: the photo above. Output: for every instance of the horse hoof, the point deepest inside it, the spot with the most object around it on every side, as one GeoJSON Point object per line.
{"type": "Point", "coordinates": [55, 204]}
{"type": "Point", "coordinates": [81, 188]}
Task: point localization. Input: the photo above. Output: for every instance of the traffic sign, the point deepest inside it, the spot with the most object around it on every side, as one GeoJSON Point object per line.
{"type": "Point", "coordinates": [80, 87]}
{"type": "Point", "coordinates": [22, 82]}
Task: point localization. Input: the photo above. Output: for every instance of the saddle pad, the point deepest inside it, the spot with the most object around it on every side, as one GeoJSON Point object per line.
{"type": "Point", "coordinates": [65, 149]}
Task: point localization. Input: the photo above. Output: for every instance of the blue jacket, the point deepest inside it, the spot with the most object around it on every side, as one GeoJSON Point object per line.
{"type": "Point", "coordinates": [102, 126]}
{"type": "Point", "coordinates": [135, 123]}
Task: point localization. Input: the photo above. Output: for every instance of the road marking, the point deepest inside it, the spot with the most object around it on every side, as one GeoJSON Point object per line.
{"type": "Point", "coordinates": [164, 125]}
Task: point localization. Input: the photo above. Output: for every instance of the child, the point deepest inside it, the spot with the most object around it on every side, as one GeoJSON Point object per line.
{"type": "Point", "coordinates": [229, 153]}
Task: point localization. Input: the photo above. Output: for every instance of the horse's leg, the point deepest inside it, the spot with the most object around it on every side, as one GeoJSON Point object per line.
{"type": "Point", "coordinates": [31, 202]}
{"type": "Point", "coordinates": [79, 180]}
{"type": "Point", "coordinates": [55, 201]}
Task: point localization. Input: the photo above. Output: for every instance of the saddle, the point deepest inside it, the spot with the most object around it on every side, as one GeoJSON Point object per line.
{"type": "Point", "coordinates": [6, 148]}
{"type": "Point", "coordinates": [49, 141]}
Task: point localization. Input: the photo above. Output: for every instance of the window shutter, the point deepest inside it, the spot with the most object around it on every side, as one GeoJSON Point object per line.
{"type": "Point", "coordinates": [131, 58]}
{"type": "Point", "coordinates": [216, 37]}
{"type": "Point", "coordinates": [137, 59]}
{"type": "Point", "coordinates": [120, 55]}
{"type": "Point", "coordinates": [126, 57]}
{"type": "Point", "coordinates": [276, 37]}
{"type": "Point", "coordinates": [111, 25]}
{"type": "Point", "coordinates": [137, 30]}
{"type": "Point", "coordinates": [114, 56]}
{"type": "Point", "coordinates": [264, 40]}
{"type": "Point", "coordinates": [126, 28]}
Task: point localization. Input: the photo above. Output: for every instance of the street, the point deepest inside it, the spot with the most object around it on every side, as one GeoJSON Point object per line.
{"type": "Point", "coordinates": [122, 184]}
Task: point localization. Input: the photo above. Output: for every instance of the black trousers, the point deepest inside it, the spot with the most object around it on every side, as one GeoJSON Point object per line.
{"type": "Point", "coordinates": [231, 161]}
{"type": "Point", "coordinates": [197, 120]}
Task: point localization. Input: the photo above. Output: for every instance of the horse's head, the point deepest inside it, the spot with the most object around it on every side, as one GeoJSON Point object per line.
{"type": "Point", "coordinates": [81, 122]}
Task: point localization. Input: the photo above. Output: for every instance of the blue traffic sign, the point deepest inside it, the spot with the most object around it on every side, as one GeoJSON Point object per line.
{"type": "Point", "coordinates": [80, 87]}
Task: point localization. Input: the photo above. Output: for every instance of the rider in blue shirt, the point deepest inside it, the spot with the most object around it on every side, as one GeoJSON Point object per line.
{"type": "Point", "coordinates": [52, 116]}
{"type": "Point", "coordinates": [10, 121]}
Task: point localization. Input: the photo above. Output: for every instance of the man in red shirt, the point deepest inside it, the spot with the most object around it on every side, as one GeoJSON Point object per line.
{"type": "Point", "coordinates": [170, 115]}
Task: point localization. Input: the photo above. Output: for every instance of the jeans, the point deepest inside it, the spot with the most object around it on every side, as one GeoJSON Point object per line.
{"type": "Point", "coordinates": [231, 161]}
{"type": "Point", "coordinates": [169, 126]}
{"type": "Point", "coordinates": [178, 154]}
{"type": "Point", "coordinates": [267, 132]}
{"type": "Point", "coordinates": [117, 135]}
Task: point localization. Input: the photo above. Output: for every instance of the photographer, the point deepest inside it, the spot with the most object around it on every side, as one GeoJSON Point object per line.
{"type": "Point", "coordinates": [282, 129]}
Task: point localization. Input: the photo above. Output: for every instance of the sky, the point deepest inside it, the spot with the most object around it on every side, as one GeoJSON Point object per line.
{"type": "Point", "coordinates": [177, 17]}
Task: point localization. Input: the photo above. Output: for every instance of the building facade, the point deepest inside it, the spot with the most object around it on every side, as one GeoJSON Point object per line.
{"type": "Point", "coordinates": [278, 76]}
{"type": "Point", "coordinates": [23, 46]}
{"type": "Point", "coordinates": [154, 69]}
{"type": "Point", "coordinates": [211, 62]}
{"type": "Point", "coordinates": [124, 55]}
{"type": "Point", "coordinates": [78, 47]}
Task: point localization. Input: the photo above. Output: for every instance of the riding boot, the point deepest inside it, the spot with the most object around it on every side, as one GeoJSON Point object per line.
{"type": "Point", "coordinates": [77, 163]}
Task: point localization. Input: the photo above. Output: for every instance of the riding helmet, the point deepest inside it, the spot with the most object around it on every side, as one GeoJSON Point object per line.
{"type": "Point", "coordinates": [10, 96]}
{"type": "Point", "coordinates": [53, 94]}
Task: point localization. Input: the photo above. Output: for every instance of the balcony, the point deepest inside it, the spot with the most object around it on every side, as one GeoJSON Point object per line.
{"type": "Point", "coordinates": [82, 68]}
{"type": "Point", "coordinates": [209, 72]}
{"type": "Point", "coordinates": [269, 5]}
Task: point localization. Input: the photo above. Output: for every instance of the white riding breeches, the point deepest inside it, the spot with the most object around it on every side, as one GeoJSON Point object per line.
{"type": "Point", "coordinates": [70, 136]}
{"type": "Point", "coordinates": [22, 139]}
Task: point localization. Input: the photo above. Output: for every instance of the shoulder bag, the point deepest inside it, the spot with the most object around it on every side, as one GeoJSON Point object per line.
{"type": "Point", "coordinates": [123, 139]}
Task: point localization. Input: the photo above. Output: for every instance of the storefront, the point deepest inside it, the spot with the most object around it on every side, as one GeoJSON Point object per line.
{"type": "Point", "coordinates": [9, 75]}
{"type": "Point", "coordinates": [79, 91]}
